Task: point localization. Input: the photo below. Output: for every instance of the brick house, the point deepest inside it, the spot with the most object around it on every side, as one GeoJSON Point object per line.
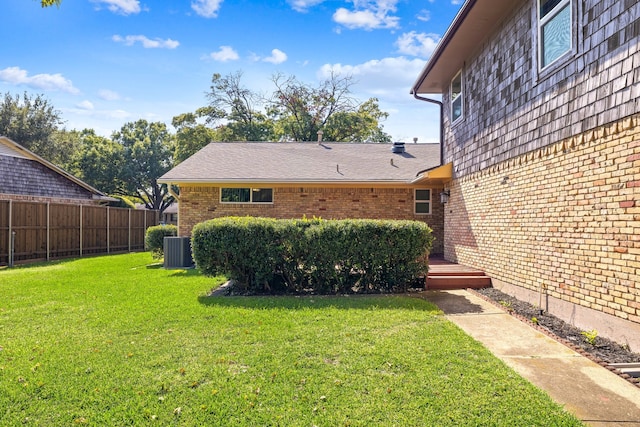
{"type": "Point", "coordinates": [25, 176]}
{"type": "Point", "coordinates": [540, 113]}
{"type": "Point", "coordinates": [296, 179]}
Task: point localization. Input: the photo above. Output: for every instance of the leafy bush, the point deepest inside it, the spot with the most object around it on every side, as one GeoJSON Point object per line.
{"type": "Point", "coordinates": [321, 256]}
{"type": "Point", "coordinates": [154, 238]}
{"type": "Point", "coordinates": [245, 249]}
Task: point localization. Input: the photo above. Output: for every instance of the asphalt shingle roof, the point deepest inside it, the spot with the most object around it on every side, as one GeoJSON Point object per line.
{"type": "Point", "coordinates": [243, 162]}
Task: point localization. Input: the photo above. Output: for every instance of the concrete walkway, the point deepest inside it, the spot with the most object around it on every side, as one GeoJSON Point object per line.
{"type": "Point", "coordinates": [595, 395]}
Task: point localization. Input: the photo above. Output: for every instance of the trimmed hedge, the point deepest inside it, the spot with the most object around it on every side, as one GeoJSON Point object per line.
{"type": "Point", "coordinates": [154, 238]}
{"type": "Point", "coordinates": [320, 256]}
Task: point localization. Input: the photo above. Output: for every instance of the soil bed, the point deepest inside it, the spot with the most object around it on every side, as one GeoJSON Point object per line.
{"type": "Point", "coordinates": [602, 349]}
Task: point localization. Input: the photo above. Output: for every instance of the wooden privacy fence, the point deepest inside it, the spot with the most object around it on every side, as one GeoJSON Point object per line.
{"type": "Point", "coordinates": [44, 231]}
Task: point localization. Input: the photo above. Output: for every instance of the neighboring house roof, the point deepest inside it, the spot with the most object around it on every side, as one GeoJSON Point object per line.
{"type": "Point", "coordinates": [470, 28]}
{"type": "Point", "coordinates": [23, 172]}
{"type": "Point", "coordinates": [304, 162]}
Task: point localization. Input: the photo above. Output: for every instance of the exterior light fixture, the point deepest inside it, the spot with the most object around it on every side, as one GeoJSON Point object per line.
{"type": "Point", "coordinates": [444, 196]}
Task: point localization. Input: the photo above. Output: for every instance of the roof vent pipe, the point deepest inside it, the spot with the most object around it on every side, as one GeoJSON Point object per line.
{"type": "Point", "coordinates": [320, 136]}
{"type": "Point", "coordinates": [397, 148]}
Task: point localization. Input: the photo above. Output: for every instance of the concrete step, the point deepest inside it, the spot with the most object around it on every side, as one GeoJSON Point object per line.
{"type": "Point", "coordinates": [457, 282]}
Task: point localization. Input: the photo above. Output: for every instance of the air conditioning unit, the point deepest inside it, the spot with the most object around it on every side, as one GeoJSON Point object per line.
{"type": "Point", "coordinates": [177, 252]}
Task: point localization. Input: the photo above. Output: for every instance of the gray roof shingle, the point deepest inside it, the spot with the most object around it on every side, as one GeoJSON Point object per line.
{"type": "Point", "coordinates": [304, 162]}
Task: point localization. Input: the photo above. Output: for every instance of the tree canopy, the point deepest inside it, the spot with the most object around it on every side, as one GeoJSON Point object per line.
{"type": "Point", "coordinates": [295, 111]}
{"type": "Point", "coordinates": [30, 121]}
{"type": "Point", "coordinates": [129, 163]}
{"type": "Point", "coordinates": [146, 155]}
{"type": "Point", "coordinates": [47, 3]}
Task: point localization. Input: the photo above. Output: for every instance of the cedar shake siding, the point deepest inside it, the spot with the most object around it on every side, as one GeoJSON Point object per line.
{"type": "Point", "coordinates": [26, 177]}
{"type": "Point", "coordinates": [511, 108]}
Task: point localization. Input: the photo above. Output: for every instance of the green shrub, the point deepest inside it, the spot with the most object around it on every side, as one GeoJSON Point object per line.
{"type": "Point", "coordinates": [154, 238]}
{"type": "Point", "coordinates": [321, 256]}
{"type": "Point", "coordinates": [245, 249]}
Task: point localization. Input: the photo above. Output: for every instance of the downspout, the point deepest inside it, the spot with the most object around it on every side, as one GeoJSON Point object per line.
{"type": "Point", "coordinates": [441, 105]}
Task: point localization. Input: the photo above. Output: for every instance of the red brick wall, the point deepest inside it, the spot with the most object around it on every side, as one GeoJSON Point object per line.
{"type": "Point", "coordinates": [201, 203]}
{"type": "Point", "coordinates": [565, 218]}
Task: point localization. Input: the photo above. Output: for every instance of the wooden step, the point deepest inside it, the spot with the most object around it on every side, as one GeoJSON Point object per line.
{"type": "Point", "coordinates": [457, 282]}
{"type": "Point", "coordinates": [440, 273]}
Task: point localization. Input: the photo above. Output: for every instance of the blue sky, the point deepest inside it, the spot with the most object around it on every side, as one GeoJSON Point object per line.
{"type": "Point", "coordinates": [103, 63]}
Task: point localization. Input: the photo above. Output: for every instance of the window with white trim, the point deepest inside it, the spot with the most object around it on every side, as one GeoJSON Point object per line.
{"type": "Point", "coordinates": [457, 108]}
{"type": "Point", "coordinates": [554, 30]}
{"type": "Point", "coordinates": [422, 201]}
{"type": "Point", "coordinates": [246, 195]}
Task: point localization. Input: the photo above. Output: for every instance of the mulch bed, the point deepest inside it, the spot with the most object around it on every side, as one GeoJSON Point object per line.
{"type": "Point", "coordinates": [603, 351]}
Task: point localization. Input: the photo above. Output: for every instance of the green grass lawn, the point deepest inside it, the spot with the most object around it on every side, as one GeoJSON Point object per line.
{"type": "Point", "coordinates": [119, 341]}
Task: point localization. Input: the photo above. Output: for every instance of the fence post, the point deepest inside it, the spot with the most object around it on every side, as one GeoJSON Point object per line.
{"type": "Point", "coordinates": [108, 248]}
{"type": "Point", "coordinates": [129, 230]}
{"type": "Point", "coordinates": [48, 231]}
{"type": "Point", "coordinates": [10, 238]}
{"type": "Point", "coordinates": [12, 247]}
{"type": "Point", "coordinates": [80, 228]}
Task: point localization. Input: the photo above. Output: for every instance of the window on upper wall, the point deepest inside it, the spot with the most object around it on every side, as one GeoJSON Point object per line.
{"type": "Point", "coordinates": [423, 201]}
{"type": "Point", "coordinates": [554, 30]}
{"type": "Point", "coordinates": [456, 98]}
{"type": "Point", "coordinates": [246, 195]}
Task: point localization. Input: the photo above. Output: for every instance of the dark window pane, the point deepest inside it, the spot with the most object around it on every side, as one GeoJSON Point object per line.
{"type": "Point", "coordinates": [235, 195]}
{"type": "Point", "coordinates": [422, 208]}
{"type": "Point", "coordinates": [262, 195]}
{"type": "Point", "coordinates": [547, 6]}
{"type": "Point", "coordinates": [423, 195]}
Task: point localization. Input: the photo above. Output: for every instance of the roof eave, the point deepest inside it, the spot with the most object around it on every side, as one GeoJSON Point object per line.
{"type": "Point", "coordinates": [179, 181]}
{"type": "Point", "coordinates": [469, 29]}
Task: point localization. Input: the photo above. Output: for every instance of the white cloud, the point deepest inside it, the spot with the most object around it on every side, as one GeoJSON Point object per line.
{"type": "Point", "coordinates": [417, 44]}
{"type": "Point", "coordinates": [277, 57]}
{"type": "Point", "coordinates": [123, 7]}
{"type": "Point", "coordinates": [303, 5]}
{"type": "Point", "coordinates": [390, 80]}
{"type": "Point", "coordinates": [207, 8]}
{"type": "Point", "coordinates": [85, 105]}
{"type": "Point", "coordinates": [52, 82]}
{"type": "Point", "coordinates": [225, 54]}
{"type": "Point", "coordinates": [146, 42]}
{"type": "Point", "coordinates": [368, 15]}
{"type": "Point", "coordinates": [381, 77]}
{"type": "Point", "coordinates": [424, 15]}
{"type": "Point", "coordinates": [108, 95]}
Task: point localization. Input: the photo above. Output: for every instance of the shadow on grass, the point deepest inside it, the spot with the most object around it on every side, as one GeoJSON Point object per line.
{"type": "Point", "coordinates": [319, 302]}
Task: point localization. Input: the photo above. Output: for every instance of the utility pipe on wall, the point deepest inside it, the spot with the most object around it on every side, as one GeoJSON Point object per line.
{"type": "Point", "coordinates": [441, 105]}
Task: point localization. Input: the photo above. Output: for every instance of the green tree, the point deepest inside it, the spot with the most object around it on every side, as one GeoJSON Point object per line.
{"type": "Point", "coordinates": [147, 155]}
{"type": "Point", "coordinates": [303, 110]}
{"type": "Point", "coordinates": [47, 3]}
{"type": "Point", "coordinates": [191, 136]}
{"type": "Point", "coordinates": [99, 162]}
{"type": "Point", "coordinates": [295, 111]}
{"type": "Point", "coordinates": [362, 125]}
{"type": "Point", "coordinates": [31, 122]}
{"type": "Point", "coordinates": [67, 144]}
{"type": "Point", "coordinates": [238, 109]}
